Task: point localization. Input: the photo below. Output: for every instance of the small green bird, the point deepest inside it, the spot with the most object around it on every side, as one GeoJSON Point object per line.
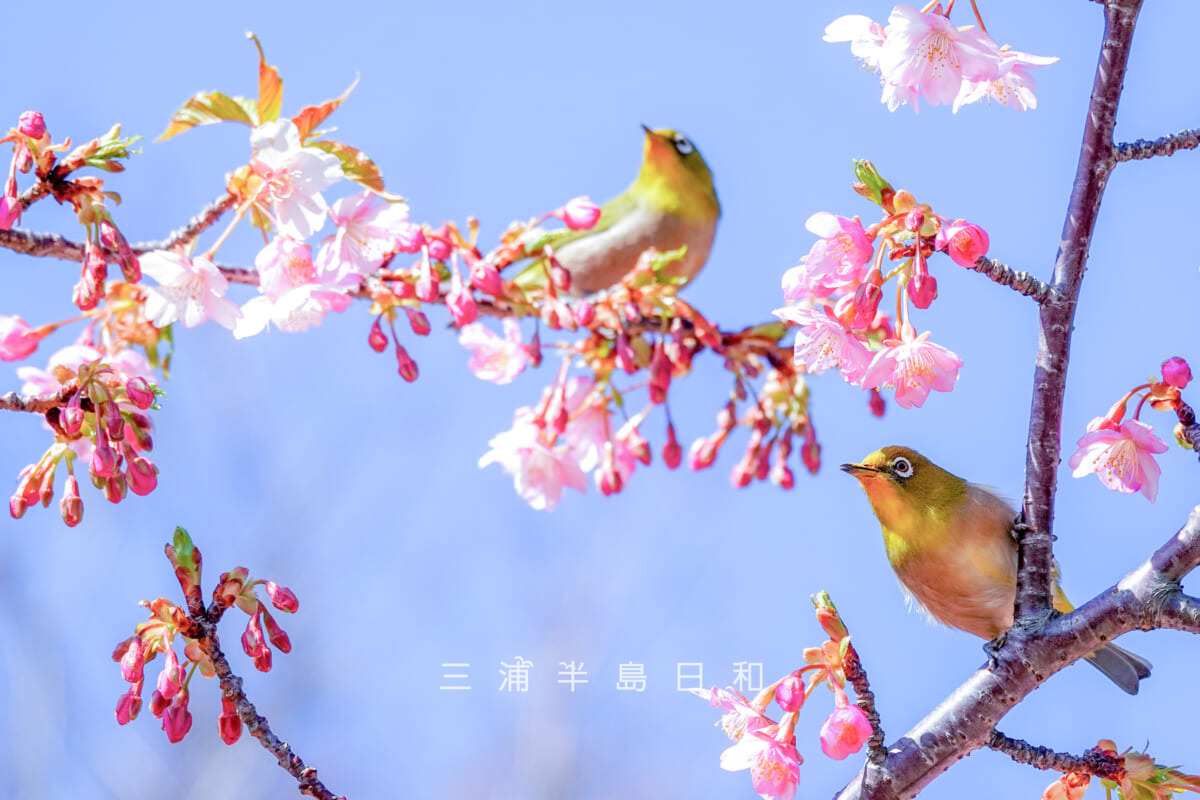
{"type": "Point", "coordinates": [671, 204]}
{"type": "Point", "coordinates": [951, 545]}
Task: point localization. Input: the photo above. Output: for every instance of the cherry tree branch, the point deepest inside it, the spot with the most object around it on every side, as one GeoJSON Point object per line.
{"type": "Point", "coordinates": [1162, 146]}
{"type": "Point", "coordinates": [1190, 429]}
{"type": "Point", "coordinates": [195, 226]}
{"type": "Point", "coordinates": [876, 752]}
{"type": "Point", "coordinates": [1058, 312]}
{"type": "Point", "coordinates": [1093, 762]}
{"type": "Point", "coordinates": [1021, 282]}
{"type": "Point", "coordinates": [39, 405]}
{"type": "Point", "coordinates": [206, 635]}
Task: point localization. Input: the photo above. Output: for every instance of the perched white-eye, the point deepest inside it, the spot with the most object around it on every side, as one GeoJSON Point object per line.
{"type": "Point", "coordinates": [951, 545]}
{"type": "Point", "coordinates": [671, 204]}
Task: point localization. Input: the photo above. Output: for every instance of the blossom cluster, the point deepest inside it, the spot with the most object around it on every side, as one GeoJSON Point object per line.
{"type": "Point", "coordinates": [768, 748]}
{"type": "Point", "coordinates": [835, 293]}
{"type": "Point", "coordinates": [169, 622]}
{"type": "Point", "coordinates": [1140, 778]}
{"type": "Point", "coordinates": [921, 54]}
{"type": "Point", "coordinates": [1119, 451]}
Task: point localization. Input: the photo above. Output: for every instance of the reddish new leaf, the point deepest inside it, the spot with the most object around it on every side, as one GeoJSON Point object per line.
{"type": "Point", "coordinates": [205, 108]}
{"type": "Point", "coordinates": [270, 87]}
{"type": "Point", "coordinates": [312, 116]}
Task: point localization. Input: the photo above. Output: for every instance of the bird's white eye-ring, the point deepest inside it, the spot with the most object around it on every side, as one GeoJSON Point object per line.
{"type": "Point", "coordinates": [682, 145]}
{"type": "Point", "coordinates": [902, 467]}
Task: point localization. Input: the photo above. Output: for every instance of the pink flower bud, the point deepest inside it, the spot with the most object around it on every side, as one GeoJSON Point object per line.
{"type": "Point", "coordinates": [71, 504]}
{"type": "Point", "coordinates": [158, 704]}
{"type": "Point", "coordinates": [672, 453]}
{"type": "Point", "coordinates": [417, 321]}
{"type": "Point", "coordinates": [428, 283]}
{"type": "Point", "coordinates": [114, 423]}
{"type": "Point", "coordinates": [411, 238]}
{"type": "Point", "coordinates": [137, 431]}
{"type": "Point", "coordinates": [254, 644]}
{"type": "Point", "coordinates": [229, 723]}
{"type": "Point", "coordinates": [782, 476]}
{"type": "Point", "coordinates": [103, 463]}
{"type": "Point", "coordinates": [810, 455]}
{"type": "Point", "coordinates": [377, 339]}
{"type": "Point", "coordinates": [866, 304]}
{"type": "Point", "coordinates": [407, 367]}
{"type": "Point", "coordinates": [877, 404]}
{"type": "Point", "coordinates": [560, 277]}
{"type": "Point", "coordinates": [914, 219]}
{"type": "Point", "coordinates": [113, 239]}
{"type": "Point", "coordinates": [46, 487]}
{"type": "Point", "coordinates": [115, 488]}
{"type": "Point", "coordinates": [404, 290]}
{"type": "Point", "coordinates": [580, 214]}
{"type": "Point", "coordinates": [1176, 372]}
{"type": "Point", "coordinates": [742, 472]}
{"type": "Point", "coordinates": [486, 278]}
{"type": "Point", "coordinates": [17, 340]}
{"type": "Point", "coordinates": [922, 287]}
{"type": "Point", "coordinates": [439, 248]}
{"type": "Point", "coordinates": [141, 475]}
{"type": "Point", "coordinates": [177, 720]}
{"type": "Point", "coordinates": [128, 707]}
{"type": "Point", "coordinates": [844, 732]}
{"type": "Point", "coordinates": [17, 506]}
{"type": "Point", "coordinates": [276, 634]}
{"type": "Point", "coordinates": [637, 445]}
{"type": "Point", "coordinates": [626, 357]}
{"type": "Point", "coordinates": [170, 679]}
{"type": "Point", "coordinates": [139, 392]}
{"type": "Point", "coordinates": [32, 124]}
{"type": "Point", "coordinates": [585, 312]}
{"type": "Point", "coordinates": [10, 212]}
{"type": "Point", "coordinates": [790, 692]}
{"type": "Point", "coordinates": [534, 349]}
{"type": "Point", "coordinates": [282, 597]}
{"type": "Point", "coordinates": [460, 302]}
{"type": "Point", "coordinates": [965, 242]}
{"type": "Point", "coordinates": [702, 453]}
{"type": "Point", "coordinates": [133, 659]}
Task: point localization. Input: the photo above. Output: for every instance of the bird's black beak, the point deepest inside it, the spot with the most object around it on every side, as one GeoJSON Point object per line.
{"type": "Point", "coordinates": [647, 128]}
{"type": "Point", "coordinates": [858, 469]}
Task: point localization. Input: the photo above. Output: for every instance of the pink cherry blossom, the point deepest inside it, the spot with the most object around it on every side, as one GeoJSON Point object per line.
{"type": "Point", "coordinates": [17, 339]}
{"type": "Point", "coordinates": [740, 717]}
{"type": "Point", "coordinates": [494, 358]}
{"type": "Point", "coordinates": [296, 293]}
{"type": "Point", "coordinates": [460, 302]}
{"type": "Point", "coordinates": [293, 178]}
{"type": "Point", "coordinates": [42, 382]}
{"type": "Point", "coordinates": [540, 471]}
{"type": "Point", "coordinates": [10, 211]}
{"type": "Point", "coordinates": [925, 55]}
{"type": "Point", "coordinates": [190, 291]}
{"type": "Point", "coordinates": [838, 260]}
{"type": "Point", "coordinates": [368, 233]}
{"type": "Point", "coordinates": [844, 732]}
{"type": "Point", "coordinates": [587, 429]}
{"type": "Point", "coordinates": [1121, 457]}
{"type": "Point", "coordinates": [774, 765]}
{"type": "Point", "coordinates": [1014, 86]}
{"type": "Point", "coordinates": [913, 366]}
{"type": "Point", "coordinates": [864, 35]}
{"type": "Point", "coordinates": [823, 342]}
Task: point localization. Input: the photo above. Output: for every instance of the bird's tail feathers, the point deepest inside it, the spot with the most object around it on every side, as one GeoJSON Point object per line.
{"type": "Point", "coordinates": [1122, 667]}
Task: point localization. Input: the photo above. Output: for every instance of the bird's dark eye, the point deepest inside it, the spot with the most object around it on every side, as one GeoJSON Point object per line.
{"type": "Point", "coordinates": [902, 467]}
{"type": "Point", "coordinates": [682, 145]}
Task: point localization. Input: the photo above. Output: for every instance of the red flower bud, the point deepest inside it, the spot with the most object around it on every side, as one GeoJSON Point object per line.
{"type": "Point", "coordinates": [71, 505]}
{"type": "Point", "coordinates": [32, 124]}
{"type": "Point", "coordinates": [139, 392]}
{"type": "Point", "coordinates": [377, 339]}
{"type": "Point", "coordinates": [672, 453]}
{"type": "Point", "coordinates": [1176, 372]}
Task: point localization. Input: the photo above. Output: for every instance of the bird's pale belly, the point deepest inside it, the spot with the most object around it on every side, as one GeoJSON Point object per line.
{"type": "Point", "coordinates": [599, 261]}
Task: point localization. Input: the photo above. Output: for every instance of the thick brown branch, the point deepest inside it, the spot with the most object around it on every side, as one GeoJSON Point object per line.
{"type": "Point", "coordinates": [39, 405]}
{"type": "Point", "coordinates": [1093, 762]}
{"type": "Point", "coordinates": [1058, 311]}
{"type": "Point", "coordinates": [256, 724]}
{"type": "Point", "coordinates": [1162, 146]}
{"type": "Point", "coordinates": [1179, 612]}
{"type": "Point", "coordinates": [1021, 282]}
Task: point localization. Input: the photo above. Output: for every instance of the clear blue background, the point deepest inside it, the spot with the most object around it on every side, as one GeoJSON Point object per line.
{"type": "Point", "coordinates": [308, 460]}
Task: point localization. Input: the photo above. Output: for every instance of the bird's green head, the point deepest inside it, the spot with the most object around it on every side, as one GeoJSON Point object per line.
{"type": "Point", "coordinates": [675, 177]}
{"type": "Point", "coordinates": [906, 489]}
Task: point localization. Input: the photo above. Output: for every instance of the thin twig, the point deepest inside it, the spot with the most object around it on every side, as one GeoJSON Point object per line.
{"type": "Point", "coordinates": [876, 752]}
{"type": "Point", "coordinates": [1021, 282]}
{"type": "Point", "coordinates": [1190, 429]}
{"type": "Point", "coordinates": [1162, 146]}
{"type": "Point", "coordinates": [195, 226]}
{"type": "Point", "coordinates": [1093, 762]}
{"type": "Point", "coordinates": [256, 724]}
{"type": "Point", "coordinates": [39, 405]}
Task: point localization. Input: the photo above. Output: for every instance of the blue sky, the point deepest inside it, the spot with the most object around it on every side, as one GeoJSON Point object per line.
{"type": "Point", "coordinates": [308, 460]}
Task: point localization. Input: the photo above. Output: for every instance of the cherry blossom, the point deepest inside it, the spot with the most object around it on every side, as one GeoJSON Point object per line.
{"type": "Point", "coordinates": [1014, 86]}
{"type": "Point", "coordinates": [495, 358]}
{"type": "Point", "coordinates": [190, 291]}
{"type": "Point", "coordinates": [540, 471]}
{"type": "Point", "coordinates": [740, 716]}
{"type": "Point", "coordinates": [293, 178]}
{"type": "Point", "coordinates": [296, 294]}
{"type": "Point", "coordinates": [368, 233]}
{"type": "Point", "coordinates": [835, 261]}
{"type": "Point", "coordinates": [17, 339]}
{"type": "Point", "coordinates": [580, 214]}
{"type": "Point", "coordinates": [823, 342]}
{"type": "Point", "coordinates": [913, 366]}
{"type": "Point", "coordinates": [774, 765]}
{"type": "Point", "coordinates": [845, 731]}
{"type": "Point", "coordinates": [1121, 456]}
